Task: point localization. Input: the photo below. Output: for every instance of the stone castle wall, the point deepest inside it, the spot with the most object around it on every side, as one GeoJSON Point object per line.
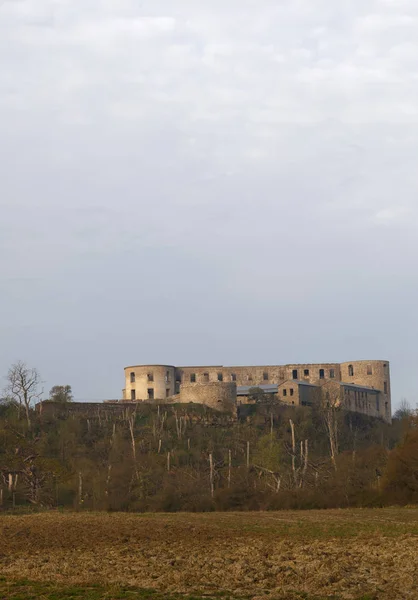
{"type": "Point", "coordinates": [217, 395]}
{"type": "Point", "coordinates": [254, 376]}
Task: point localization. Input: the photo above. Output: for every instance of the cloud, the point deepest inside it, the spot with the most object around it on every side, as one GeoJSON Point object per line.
{"type": "Point", "coordinates": [289, 63]}
{"type": "Point", "coordinates": [392, 214]}
{"type": "Point", "coordinates": [161, 154]}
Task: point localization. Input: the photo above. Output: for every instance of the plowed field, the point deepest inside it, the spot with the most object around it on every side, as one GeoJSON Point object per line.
{"type": "Point", "coordinates": [316, 554]}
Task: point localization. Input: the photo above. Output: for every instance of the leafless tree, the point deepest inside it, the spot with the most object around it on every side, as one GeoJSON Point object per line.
{"type": "Point", "coordinates": [292, 429]}
{"type": "Point", "coordinates": [404, 411]}
{"type": "Point", "coordinates": [181, 424]}
{"type": "Point", "coordinates": [212, 489]}
{"type": "Point", "coordinates": [131, 422]}
{"type": "Point", "coordinates": [23, 387]}
{"type": "Point", "coordinates": [330, 404]}
{"type": "Point", "coordinates": [299, 473]}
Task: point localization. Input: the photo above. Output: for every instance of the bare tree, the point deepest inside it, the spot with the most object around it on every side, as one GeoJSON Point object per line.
{"type": "Point", "coordinates": [23, 387]}
{"type": "Point", "coordinates": [212, 489]}
{"type": "Point", "coordinates": [180, 424]}
{"type": "Point", "coordinates": [133, 441]}
{"type": "Point", "coordinates": [292, 429]}
{"type": "Point", "coordinates": [404, 411]}
{"type": "Point", "coordinates": [330, 404]}
{"type": "Point", "coordinates": [298, 473]}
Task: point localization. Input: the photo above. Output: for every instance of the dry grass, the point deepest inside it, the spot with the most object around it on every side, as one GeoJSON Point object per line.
{"type": "Point", "coordinates": [316, 554]}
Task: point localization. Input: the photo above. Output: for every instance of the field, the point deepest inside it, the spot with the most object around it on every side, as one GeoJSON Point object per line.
{"type": "Point", "coordinates": [354, 554]}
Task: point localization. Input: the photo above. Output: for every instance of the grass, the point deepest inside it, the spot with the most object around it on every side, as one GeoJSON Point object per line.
{"type": "Point", "coordinates": [32, 590]}
{"type": "Point", "coordinates": [313, 555]}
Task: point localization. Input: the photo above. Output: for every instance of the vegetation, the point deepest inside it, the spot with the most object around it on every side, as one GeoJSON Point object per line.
{"type": "Point", "coordinates": [33, 590]}
{"type": "Point", "coordinates": [61, 393]}
{"type": "Point", "coordinates": [23, 388]}
{"type": "Point", "coordinates": [190, 458]}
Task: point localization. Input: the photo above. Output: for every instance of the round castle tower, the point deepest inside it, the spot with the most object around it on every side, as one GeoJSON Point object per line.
{"type": "Point", "coordinates": [157, 382]}
{"type": "Point", "coordinates": [149, 382]}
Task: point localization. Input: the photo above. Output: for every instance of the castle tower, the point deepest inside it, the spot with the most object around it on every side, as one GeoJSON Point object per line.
{"type": "Point", "coordinates": [374, 374]}
{"type": "Point", "coordinates": [149, 382]}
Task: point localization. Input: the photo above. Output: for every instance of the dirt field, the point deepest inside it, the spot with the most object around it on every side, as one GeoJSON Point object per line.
{"type": "Point", "coordinates": [317, 554]}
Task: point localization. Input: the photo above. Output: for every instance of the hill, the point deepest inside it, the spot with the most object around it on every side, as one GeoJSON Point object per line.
{"type": "Point", "coordinates": [188, 457]}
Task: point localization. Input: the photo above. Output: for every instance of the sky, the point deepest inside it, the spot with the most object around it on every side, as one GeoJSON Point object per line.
{"type": "Point", "coordinates": [217, 182]}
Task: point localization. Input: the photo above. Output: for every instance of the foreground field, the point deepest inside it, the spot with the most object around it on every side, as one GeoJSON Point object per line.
{"type": "Point", "coordinates": [317, 554]}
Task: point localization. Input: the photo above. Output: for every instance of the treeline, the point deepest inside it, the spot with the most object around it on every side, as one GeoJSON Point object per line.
{"type": "Point", "coordinates": [187, 457]}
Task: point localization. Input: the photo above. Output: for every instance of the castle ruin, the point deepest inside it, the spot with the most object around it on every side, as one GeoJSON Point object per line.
{"type": "Point", "coordinates": [358, 386]}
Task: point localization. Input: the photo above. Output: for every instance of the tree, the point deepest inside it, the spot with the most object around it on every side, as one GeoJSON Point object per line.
{"type": "Point", "coordinates": [256, 394]}
{"type": "Point", "coordinates": [404, 411]}
{"type": "Point", "coordinates": [23, 387]}
{"type": "Point", "coordinates": [61, 393]}
{"type": "Point", "coordinates": [329, 407]}
{"type": "Point", "coordinates": [401, 480]}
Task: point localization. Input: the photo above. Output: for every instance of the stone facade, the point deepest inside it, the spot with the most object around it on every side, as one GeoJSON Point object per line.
{"type": "Point", "coordinates": [295, 383]}
{"type": "Point", "coordinates": [217, 395]}
{"type": "Point", "coordinates": [298, 393]}
{"type": "Point", "coordinates": [357, 398]}
{"type": "Point", "coordinates": [150, 382]}
{"type": "Point", "coordinates": [260, 375]}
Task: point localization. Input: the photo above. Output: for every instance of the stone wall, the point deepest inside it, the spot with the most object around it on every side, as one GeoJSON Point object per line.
{"type": "Point", "coordinates": [288, 393]}
{"type": "Point", "coordinates": [251, 376]}
{"type": "Point", "coordinates": [313, 373]}
{"type": "Point", "coordinates": [218, 395]}
{"type": "Point", "coordinates": [372, 374]}
{"type": "Point", "coordinates": [88, 409]}
{"type": "Point", "coordinates": [254, 376]}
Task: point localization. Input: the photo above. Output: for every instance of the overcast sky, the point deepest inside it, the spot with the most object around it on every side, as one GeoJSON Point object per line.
{"type": "Point", "coordinates": [224, 182]}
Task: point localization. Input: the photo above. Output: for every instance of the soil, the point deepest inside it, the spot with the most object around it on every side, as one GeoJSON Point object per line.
{"type": "Point", "coordinates": [329, 554]}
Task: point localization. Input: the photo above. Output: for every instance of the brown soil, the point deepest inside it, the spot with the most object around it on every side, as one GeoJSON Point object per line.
{"type": "Point", "coordinates": [326, 553]}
